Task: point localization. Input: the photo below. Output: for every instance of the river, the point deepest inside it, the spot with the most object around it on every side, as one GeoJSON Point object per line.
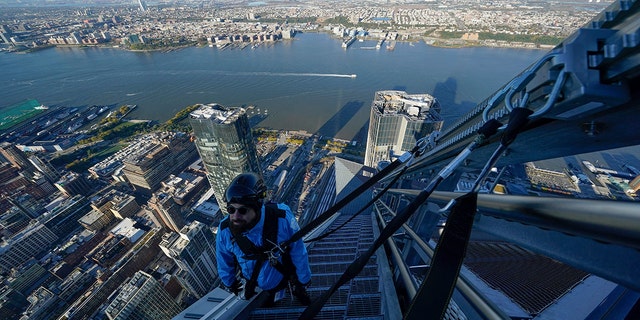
{"type": "Point", "coordinates": [304, 83]}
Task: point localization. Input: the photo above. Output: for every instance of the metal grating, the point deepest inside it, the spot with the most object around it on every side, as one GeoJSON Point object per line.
{"type": "Point", "coordinates": [325, 281]}
{"type": "Point", "coordinates": [369, 271]}
{"type": "Point", "coordinates": [340, 297]}
{"type": "Point", "coordinates": [320, 251]}
{"type": "Point", "coordinates": [337, 268]}
{"type": "Point", "coordinates": [364, 306]}
{"type": "Point", "coordinates": [336, 244]}
{"type": "Point", "coordinates": [360, 286]}
{"type": "Point", "coordinates": [329, 258]}
{"type": "Point", "coordinates": [295, 314]}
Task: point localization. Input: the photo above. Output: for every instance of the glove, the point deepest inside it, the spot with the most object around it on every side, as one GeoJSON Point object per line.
{"type": "Point", "coordinates": [235, 288]}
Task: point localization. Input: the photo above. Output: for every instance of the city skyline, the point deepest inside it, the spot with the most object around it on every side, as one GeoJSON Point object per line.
{"type": "Point", "coordinates": [125, 236]}
{"type": "Point", "coordinates": [440, 23]}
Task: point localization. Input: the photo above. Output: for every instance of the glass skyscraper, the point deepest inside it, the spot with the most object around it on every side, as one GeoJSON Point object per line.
{"type": "Point", "coordinates": [193, 250]}
{"type": "Point", "coordinates": [397, 120]}
{"type": "Point", "coordinates": [225, 143]}
{"type": "Point", "coordinates": [143, 297]}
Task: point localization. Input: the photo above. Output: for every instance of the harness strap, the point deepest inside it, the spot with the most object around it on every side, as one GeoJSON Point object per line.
{"type": "Point", "coordinates": [433, 296]}
{"type": "Point", "coordinates": [261, 254]}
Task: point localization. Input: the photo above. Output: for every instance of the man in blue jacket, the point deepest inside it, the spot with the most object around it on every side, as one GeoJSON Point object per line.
{"type": "Point", "coordinates": [246, 236]}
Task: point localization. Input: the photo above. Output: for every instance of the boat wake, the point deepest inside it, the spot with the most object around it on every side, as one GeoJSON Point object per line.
{"type": "Point", "coordinates": [332, 75]}
{"type": "Point", "coordinates": [296, 74]}
{"type": "Point", "coordinates": [133, 94]}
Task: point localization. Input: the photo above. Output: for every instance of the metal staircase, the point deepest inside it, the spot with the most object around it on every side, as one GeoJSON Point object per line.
{"type": "Point", "coordinates": [361, 298]}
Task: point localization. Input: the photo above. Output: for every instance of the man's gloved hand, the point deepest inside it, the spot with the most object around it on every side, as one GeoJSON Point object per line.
{"type": "Point", "coordinates": [236, 287]}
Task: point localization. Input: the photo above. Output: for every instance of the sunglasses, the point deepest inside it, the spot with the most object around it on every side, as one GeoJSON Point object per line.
{"type": "Point", "coordinates": [240, 210]}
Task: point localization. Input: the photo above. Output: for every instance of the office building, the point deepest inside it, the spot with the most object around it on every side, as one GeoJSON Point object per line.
{"type": "Point", "coordinates": [166, 211]}
{"type": "Point", "coordinates": [142, 297]}
{"type": "Point", "coordinates": [16, 156]}
{"type": "Point", "coordinates": [62, 220]}
{"type": "Point", "coordinates": [115, 204]}
{"type": "Point", "coordinates": [29, 277]}
{"type": "Point", "coordinates": [193, 251]}
{"type": "Point", "coordinates": [225, 143]}
{"type": "Point", "coordinates": [42, 304]}
{"type": "Point", "coordinates": [184, 187]}
{"type": "Point", "coordinates": [72, 184]}
{"type": "Point", "coordinates": [158, 155]}
{"type": "Point", "coordinates": [49, 172]}
{"type": "Point", "coordinates": [397, 120]}
{"type": "Point", "coordinates": [146, 250]}
{"type": "Point", "coordinates": [30, 242]}
{"type": "Point", "coordinates": [96, 220]}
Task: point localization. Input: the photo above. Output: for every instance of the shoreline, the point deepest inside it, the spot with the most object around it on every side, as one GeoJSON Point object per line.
{"type": "Point", "coordinates": [430, 41]}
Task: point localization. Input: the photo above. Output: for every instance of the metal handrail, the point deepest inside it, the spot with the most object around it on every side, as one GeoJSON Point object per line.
{"type": "Point", "coordinates": [616, 222]}
{"type": "Point", "coordinates": [484, 306]}
{"type": "Point", "coordinates": [407, 279]}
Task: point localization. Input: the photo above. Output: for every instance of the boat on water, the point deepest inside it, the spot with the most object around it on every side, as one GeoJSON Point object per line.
{"type": "Point", "coordinates": [91, 116]}
{"type": "Point", "coordinates": [353, 75]}
{"type": "Point", "coordinates": [41, 107]}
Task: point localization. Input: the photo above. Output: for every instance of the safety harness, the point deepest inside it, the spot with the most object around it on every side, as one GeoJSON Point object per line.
{"type": "Point", "coordinates": [267, 250]}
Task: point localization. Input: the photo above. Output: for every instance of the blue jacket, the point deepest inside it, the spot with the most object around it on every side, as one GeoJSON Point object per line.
{"type": "Point", "coordinates": [269, 277]}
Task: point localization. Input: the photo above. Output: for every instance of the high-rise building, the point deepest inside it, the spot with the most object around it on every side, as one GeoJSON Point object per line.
{"type": "Point", "coordinates": [166, 211]}
{"type": "Point", "coordinates": [158, 155]}
{"type": "Point", "coordinates": [142, 297]}
{"type": "Point", "coordinates": [22, 246]}
{"type": "Point", "coordinates": [116, 204]}
{"type": "Point", "coordinates": [135, 260]}
{"type": "Point", "coordinates": [225, 143]}
{"type": "Point", "coordinates": [72, 184]}
{"type": "Point", "coordinates": [62, 219]}
{"type": "Point", "coordinates": [193, 250]}
{"type": "Point", "coordinates": [397, 120]}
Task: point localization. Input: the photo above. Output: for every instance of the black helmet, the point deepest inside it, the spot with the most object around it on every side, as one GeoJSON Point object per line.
{"type": "Point", "coordinates": [246, 188]}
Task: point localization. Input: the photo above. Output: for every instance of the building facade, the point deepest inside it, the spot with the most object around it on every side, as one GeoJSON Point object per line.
{"type": "Point", "coordinates": [193, 251]}
{"type": "Point", "coordinates": [14, 155]}
{"type": "Point", "coordinates": [157, 156]}
{"type": "Point", "coordinates": [166, 211]}
{"type": "Point", "coordinates": [142, 297]}
{"type": "Point", "coordinates": [50, 173]}
{"type": "Point", "coordinates": [397, 120]}
{"type": "Point", "coordinates": [225, 143]}
{"type": "Point", "coordinates": [72, 184]}
{"type": "Point", "coordinates": [62, 220]}
{"type": "Point", "coordinates": [29, 243]}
